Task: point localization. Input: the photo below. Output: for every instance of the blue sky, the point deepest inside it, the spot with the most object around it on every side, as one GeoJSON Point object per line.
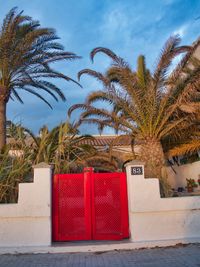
{"type": "Point", "coordinates": [128, 27]}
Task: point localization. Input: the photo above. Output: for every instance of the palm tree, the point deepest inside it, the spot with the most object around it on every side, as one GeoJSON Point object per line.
{"type": "Point", "coordinates": [62, 146]}
{"type": "Point", "coordinates": [153, 108]}
{"type": "Point", "coordinates": [26, 52]}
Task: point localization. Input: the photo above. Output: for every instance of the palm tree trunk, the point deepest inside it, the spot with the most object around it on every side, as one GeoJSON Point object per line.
{"type": "Point", "coordinates": [2, 123]}
{"type": "Point", "coordinates": [151, 153]}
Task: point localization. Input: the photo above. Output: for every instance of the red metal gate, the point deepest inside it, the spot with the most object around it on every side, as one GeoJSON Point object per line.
{"type": "Point", "coordinates": [90, 206]}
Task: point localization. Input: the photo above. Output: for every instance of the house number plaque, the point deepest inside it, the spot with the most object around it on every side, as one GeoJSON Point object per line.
{"type": "Point", "coordinates": [136, 170]}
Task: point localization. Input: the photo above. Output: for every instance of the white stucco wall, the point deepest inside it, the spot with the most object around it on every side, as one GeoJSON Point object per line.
{"type": "Point", "coordinates": [152, 218]}
{"type": "Point", "coordinates": [178, 179]}
{"type": "Point", "coordinates": [28, 222]}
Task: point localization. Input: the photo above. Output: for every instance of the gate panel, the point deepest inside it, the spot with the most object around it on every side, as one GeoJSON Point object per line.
{"type": "Point", "coordinates": [109, 206]}
{"type": "Point", "coordinates": [71, 207]}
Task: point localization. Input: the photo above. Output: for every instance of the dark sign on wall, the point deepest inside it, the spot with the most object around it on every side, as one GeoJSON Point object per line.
{"type": "Point", "coordinates": [136, 170]}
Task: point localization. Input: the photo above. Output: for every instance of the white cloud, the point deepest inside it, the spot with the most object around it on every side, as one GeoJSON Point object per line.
{"type": "Point", "coordinates": [116, 20]}
{"type": "Point", "coordinates": [182, 30]}
{"type": "Point", "coordinates": [115, 23]}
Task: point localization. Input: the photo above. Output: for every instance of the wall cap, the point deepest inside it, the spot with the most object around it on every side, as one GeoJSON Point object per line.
{"type": "Point", "coordinates": [134, 162]}
{"type": "Point", "coordinates": [42, 165]}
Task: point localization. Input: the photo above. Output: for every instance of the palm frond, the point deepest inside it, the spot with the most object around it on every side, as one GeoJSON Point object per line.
{"type": "Point", "coordinates": [94, 74]}
{"type": "Point", "coordinates": [178, 72]}
{"type": "Point", "coordinates": [38, 95]}
{"type": "Point", "coordinates": [77, 106]}
{"type": "Point", "coordinates": [187, 148]}
{"type": "Point", "coordinates": [169, 52]}
{"type": "Point", "coordinates": [109, 53]}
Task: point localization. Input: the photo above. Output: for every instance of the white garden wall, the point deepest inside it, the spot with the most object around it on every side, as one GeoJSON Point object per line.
{"type": "Point", "coordinates": [153, 218]}
{"type": "Point", "coordinates": [178, 179]}
{"type": "Point", "coordinates": [28, 223]}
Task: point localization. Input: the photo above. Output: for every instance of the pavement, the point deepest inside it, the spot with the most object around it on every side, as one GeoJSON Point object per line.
{"type": "Point", "coordinates": [177, 256]}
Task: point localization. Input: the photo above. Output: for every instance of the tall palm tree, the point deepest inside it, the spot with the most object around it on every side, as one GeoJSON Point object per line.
{"type": "Point", "coordinates": [26, 52]}
{"type": "Point", "coordinates": [153, 108]}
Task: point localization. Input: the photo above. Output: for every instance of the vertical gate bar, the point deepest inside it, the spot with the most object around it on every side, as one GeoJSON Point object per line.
{"type": "Point", "coordinates": [93, 218]}
{"type": "Point", "coordinates": [55, 211]}
{"type": "Point", "coordinates": [124, 206]}
{"type": "Point", "coordinates": [88, 173]}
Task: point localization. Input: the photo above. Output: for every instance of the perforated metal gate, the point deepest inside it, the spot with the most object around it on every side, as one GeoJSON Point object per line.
{"type": "Point", "coordinates": [90, 206]}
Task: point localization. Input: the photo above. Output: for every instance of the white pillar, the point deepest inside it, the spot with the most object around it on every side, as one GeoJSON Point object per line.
{"type": "Point", "coordinates": [43, 178]}
{"type": "Point", "coordinates": [134, 170]}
